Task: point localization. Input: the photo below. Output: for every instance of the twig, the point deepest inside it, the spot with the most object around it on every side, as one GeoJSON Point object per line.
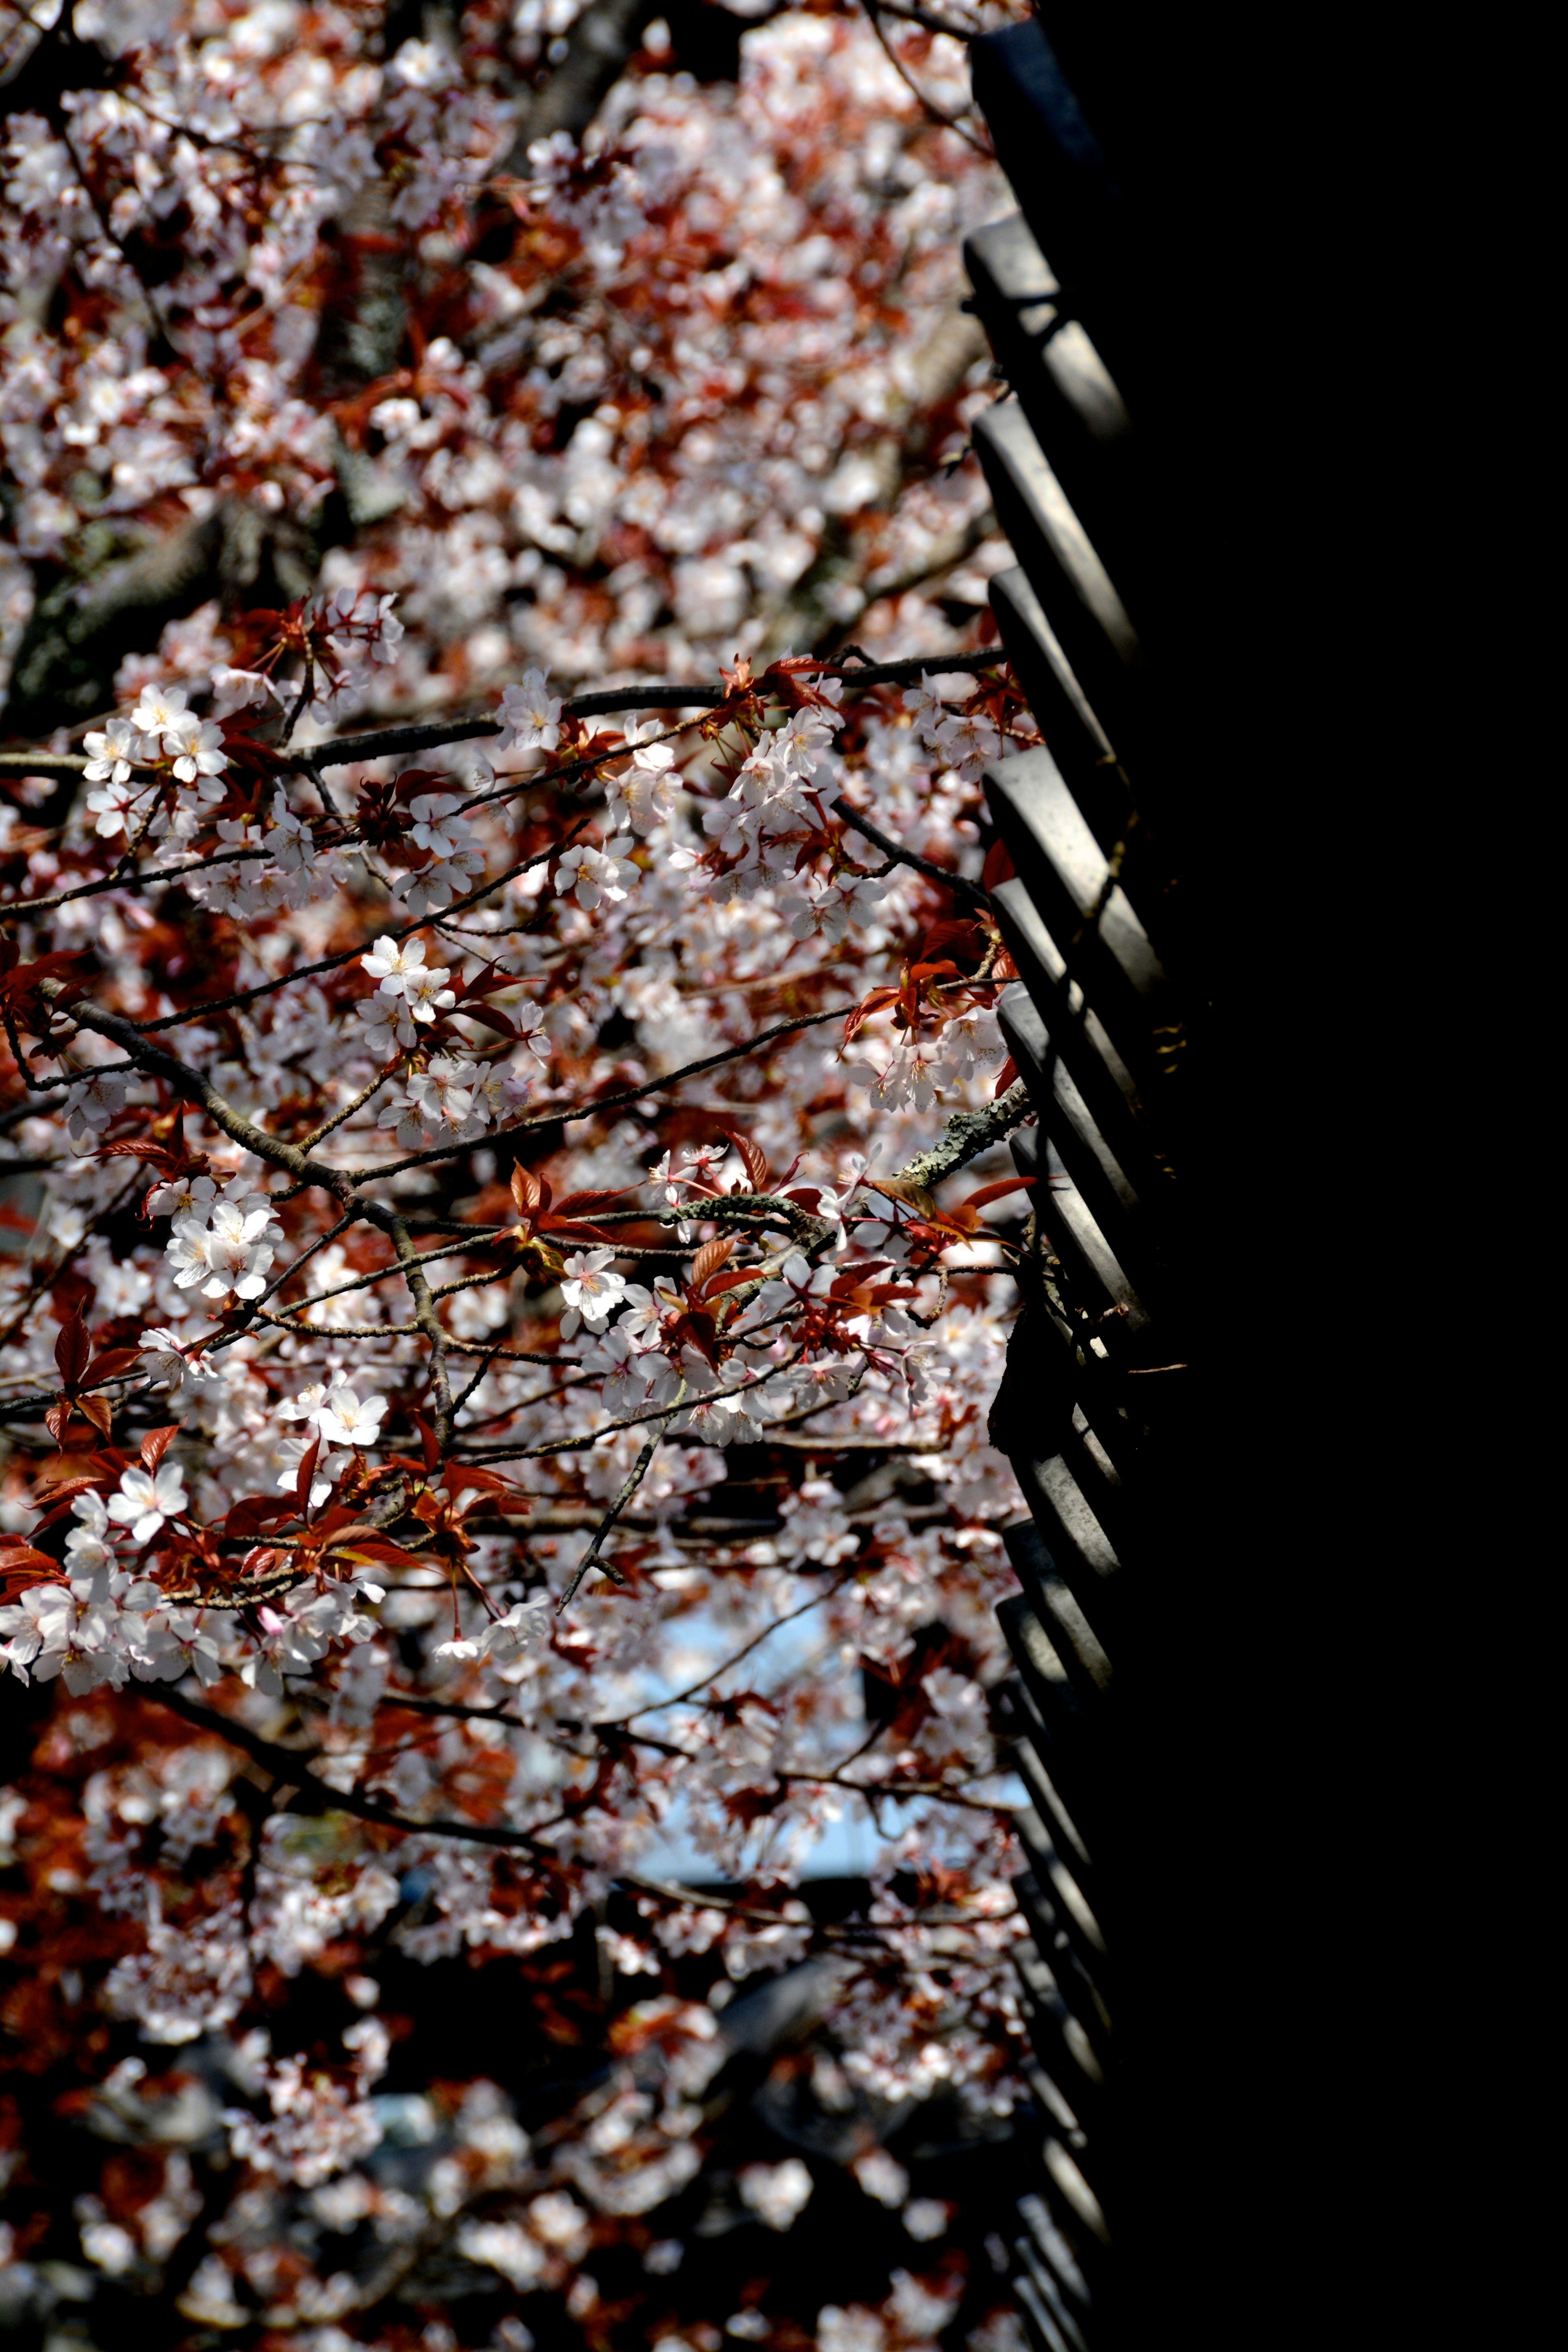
{"type": "Point", "coordinates": [560, 1115]}
{"type": "Point", "coordinates": [956, 883]}
{"type": "Point", "coordinates": [633, 1479]}
{"type": "Point", "coordinates": [467, 1391]}
{"type": "Point", "coordinates": [425, 1316]}
{"type": "Point", "coordinates": [657, 1706]}
{"type": "Point", "coordinates": [320, 1134]}
{"type": "Point", "coordinates": [631, 1421]}
{"type": "Point", "coordinates": [948, 122]}
{"type": "Point", "coordinates": [923, 17]}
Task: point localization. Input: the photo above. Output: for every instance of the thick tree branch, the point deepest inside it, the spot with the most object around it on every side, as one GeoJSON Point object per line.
{"type": "Point", "coordinates": [968, 1134]}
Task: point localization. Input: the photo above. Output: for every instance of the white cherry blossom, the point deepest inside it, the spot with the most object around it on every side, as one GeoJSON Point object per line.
{"type": "Point", "coordinates": [201, 758]}
{"type": "Point", "coordinates": [111, 753]}
{"type": "Point", "coordinates": [392, 962]}
{"type": "Point", "coordinates": [436, 827]}
{"type": "Point", "coordinates": [146, 1499]}
{"type": "Point", "coordinates": [235, 1251]}
{"type": "Point", "coordinates": [167, 1365]}
{"type": "Point", "coordinates": [426, 995]}
{"type": "Point", "coordinates": [345, 1419]}
{"type": "Point", "coordinates": [161, 714]}
{"type": "Point", "coordinates": [591, 1289]}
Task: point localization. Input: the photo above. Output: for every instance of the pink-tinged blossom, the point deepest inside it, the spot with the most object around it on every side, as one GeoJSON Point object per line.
{"type": "Point", "coordinates": [183, 1196]}
{"type": "Point", "coordinates": [596, 877]}
{"type": "Point", "coordinates": [307, 1406]}
{"type": "Point", "coordinates": [435, 887]}
{"type": "Point", "coordinates": [531, 714]}
{"type": "Point", "coordinates": [966, 742]}
{"type": "Point", "coordinates": [500, 1092]}
{"type": "Point", "coordinates": [436, 826]}
{"type": "Point", "coordinates": [926, 709]}
{"type": "Point", "coordinates": [91, 1105]}
{"type": "Point", "coordinates": [241, 689]}
{"type": "Point", "coordinates": [535, 1038]}
{"type": "Point", "coordinates": [289, 840]}
{"type": "Point", "coordinates": [642, 795]}
{"type": "Point", "coordinates": [830, 908]}
{"type": "Point", "coordinates": [388, 1026]}
{"type": "Point", "coordinates": [441, 1097]}
{"type": "Point", "coordinates": [119, 807]}
{"type": "Point", "coordinates": [89, 1546]}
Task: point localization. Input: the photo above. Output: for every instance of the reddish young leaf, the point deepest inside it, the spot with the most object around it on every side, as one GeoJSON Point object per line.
{"type": "Point", "coordinates": [530, 1191]}
{"type": "Point", "coordinates": [960, 932]}
{"type": "Point", "coordinates": [1006, 1076]}
{"type": "Point", "coordinates": [72, 1348]}
{"type": "Point", "coordinates": [755, 1160]}
{"type": "Point", "coordinates": [894, 1187]}
{"type": "Point", "coordinates": [253, 1512]}
{"type": "Point", "coordinates": [729, 1279]}
{"type": "Point", "coordinates": [16, 1551]}
{"type": "Point", "coordinates": [998, 866]}
{"type": "Point", "coordinates": [19, 986]}
{"type": "Point", "coordinates": [490, 1019]}
{"type": "Point", "coordinates": [459, 1476]}
{"type": "Point", "coordinates": [98, 1410]}
{"type": "Point", "coordinates": [302, 1484]}
{"type": "Point", "coordinates": [60, 1497]}
{"type": "Point", "coordinates": [374, 1547]}
{"type": "Point", "coordinates": [156, 1155]}
{"type": "Point", "coordinates": [708, 1260]}
{"type": "Point", "coordinates": [989, 1192]}
{"type": "Point", "coordinates": [56, 1417]}
{"type": "Point", "coordinates": [157, 1443]}
{"type": "Point", "coordinates": [581, 1205]}
{"type": "Point", "coordinates": [697, 1329]}
{"type": "Point", "coordinates": [860, 1014]}
{"type": "Point", "coordinates": [109, 1365]}
{"type": "Point", "coordinates": [427, 1440]}
{"type": "Point", "coordinates": [19, 1571]}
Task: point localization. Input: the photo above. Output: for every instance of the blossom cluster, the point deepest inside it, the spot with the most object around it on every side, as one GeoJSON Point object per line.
{"type": "Point", "coordinates": [496, 1503]}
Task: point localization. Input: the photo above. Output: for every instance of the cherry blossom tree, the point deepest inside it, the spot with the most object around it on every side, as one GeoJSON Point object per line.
{"type": "Point", "coordinates": [508, 1222]}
